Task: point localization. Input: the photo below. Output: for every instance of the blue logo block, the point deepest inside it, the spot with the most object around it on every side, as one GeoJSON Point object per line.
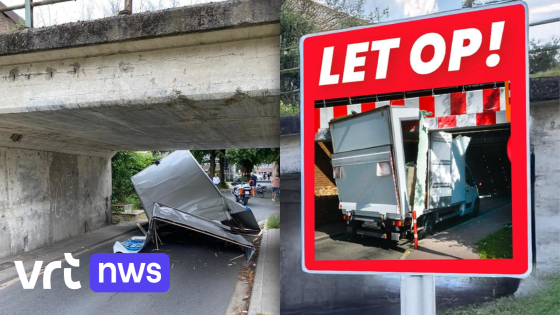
{"type": "Point", "coordinates": [129, 272]}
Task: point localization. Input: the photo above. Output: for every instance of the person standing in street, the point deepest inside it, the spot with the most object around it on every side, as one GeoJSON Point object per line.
{"type": "Point", "coordinates": [216, 180]}
{"type": "Point", "coordinates": [275, 186]}
{"type": "Point", "coordinates": [253, 182]}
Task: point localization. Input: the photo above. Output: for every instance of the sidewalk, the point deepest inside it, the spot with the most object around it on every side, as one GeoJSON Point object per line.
{"type": "Point", "coordinates": [459, 242]}
{"type": "Point", "coordinates": [265, 298]}
{"type": "Point", "coordinates": [56, 251]}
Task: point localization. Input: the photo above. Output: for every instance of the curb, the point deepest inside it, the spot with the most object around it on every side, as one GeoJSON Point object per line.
{"type": "Point", "coordinates": [256, 300]}
{"type": "Point", "coordinates": [405, 254]}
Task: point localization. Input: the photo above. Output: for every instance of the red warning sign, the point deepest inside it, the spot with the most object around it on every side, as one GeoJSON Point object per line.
{"type": "Point", "coordinates": [412, 121]}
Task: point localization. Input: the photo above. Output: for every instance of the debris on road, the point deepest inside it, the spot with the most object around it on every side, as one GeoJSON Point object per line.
{"type": "Point", "coordinates": [234, 258]}
{"type": "Point", "coordinates": [141, 229]}
{"type": "Point", "coordinates": [178, 192]}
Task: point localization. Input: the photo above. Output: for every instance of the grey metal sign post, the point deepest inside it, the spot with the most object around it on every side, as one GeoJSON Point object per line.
{"type": "Point", "coordinates": [418, 295]}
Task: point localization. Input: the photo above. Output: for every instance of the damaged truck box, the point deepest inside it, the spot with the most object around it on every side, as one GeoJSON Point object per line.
{"type": "Point", "coordinates": [388, 163]}
{"type": "Point", "coordinates": [177, 191]}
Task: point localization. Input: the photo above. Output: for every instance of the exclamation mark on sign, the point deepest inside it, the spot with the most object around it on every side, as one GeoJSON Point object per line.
{"type": "Point", "coordinates": [495, 43]}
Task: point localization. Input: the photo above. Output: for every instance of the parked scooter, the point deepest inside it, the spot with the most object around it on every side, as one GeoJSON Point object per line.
{"type": "Point", "coordinates": [260, 190]}
{"type": "Point", "coordinates": [242, 193]}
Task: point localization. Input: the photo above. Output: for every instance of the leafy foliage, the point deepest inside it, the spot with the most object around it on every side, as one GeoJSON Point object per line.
{"type": "Point", "coordinates": [201, 156]}
{"type": "Point", "coordinates": [248, 158]}
{"type": "Point", "coordinates": [301, 17]}
{"type": "Point", "coordinates": [134, 201]}
{"type": "Point", "coordinates": [544, 57]}
{"type": "Point", "coordinates": [160, 154]}
{"type": "Point", "coordinates": [124, 165]}
{"type": "Point", "coordinates": [355, 9]}
{"type": "Point", "coordinates": [273, 222]}
{"type": "Point", "coordinates": [288, 109]}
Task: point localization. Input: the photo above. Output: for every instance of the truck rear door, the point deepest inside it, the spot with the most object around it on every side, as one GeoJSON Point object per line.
{"type": "Point", "coordinates": [365, 180]}
{"type": "Point", "coordinates": [440, 181]}
{"type": "Point", "coordinates": [362, 163]}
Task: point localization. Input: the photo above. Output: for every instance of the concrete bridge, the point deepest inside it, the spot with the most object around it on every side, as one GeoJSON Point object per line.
{"type": "Point", "coordinates": [199, 77]}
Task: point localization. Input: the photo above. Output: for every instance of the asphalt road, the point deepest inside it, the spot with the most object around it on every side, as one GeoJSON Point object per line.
{"type": "Point", "coordinates": [341, 247]}
{"type": "Point", "coordinates": [261, 207]}
{"type": "Point", "coordinates": [203, 279]}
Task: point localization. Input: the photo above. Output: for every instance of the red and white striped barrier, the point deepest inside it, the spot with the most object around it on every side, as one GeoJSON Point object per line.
{"type": "Point", "coordinates": [415, 229]}
{"type": "Point", "coordinates": [461, 109]}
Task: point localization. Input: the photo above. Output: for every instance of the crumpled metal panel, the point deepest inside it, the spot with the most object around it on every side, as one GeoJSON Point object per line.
{"type": "Point", "coordinates": [199, 224]}
{"type": "Point", "coordinates": [242, 217]}
{"type": "Point", "coordinates": [181, 183]}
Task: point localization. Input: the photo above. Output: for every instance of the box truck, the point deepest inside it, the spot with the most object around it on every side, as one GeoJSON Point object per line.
{"type": "Point", "coordinates": [387, 163]}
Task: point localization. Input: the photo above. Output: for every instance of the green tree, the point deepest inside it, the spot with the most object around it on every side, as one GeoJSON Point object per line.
{"type": "Point", "coordinates": [210, 156]}
{"type": "Point", "coordinates": [544, 57]}
{"type": "Point", "coordinates": [201, 156]}
{"type": "Point", "coordinates": [248, 158]}
{"type": "Point", "coordinates": [124, 165]}
{"type": "Point", "coordinates": [222, 160]}
{"type": "Point", "coordinates": [301, 17]}
{"type": "Point", "coordinates": [160, 154]}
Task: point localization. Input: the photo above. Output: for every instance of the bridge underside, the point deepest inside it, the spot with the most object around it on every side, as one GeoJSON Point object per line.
{"type": "Point", "coordinates": [241, 120]}
{"type": "Point", "coordinates": [215, 89]}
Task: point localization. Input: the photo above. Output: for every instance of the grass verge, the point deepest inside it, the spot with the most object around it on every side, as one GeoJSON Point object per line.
{"type": "Point", "coordinates": [545, 301]}
{"type": "Point", "coordinates": [497, 245]}
{"type": "Point", "coordinates": [549, 73]}
{"type": "Point", "coordinates": [273, 222]}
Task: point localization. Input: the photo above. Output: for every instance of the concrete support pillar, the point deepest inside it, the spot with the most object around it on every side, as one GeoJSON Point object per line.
{"type": "Point", "coordinates": [46, 197]}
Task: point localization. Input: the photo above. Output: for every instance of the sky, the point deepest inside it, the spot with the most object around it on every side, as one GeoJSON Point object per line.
{"type": "Point", "coordinates": [92, 9]}
{"type": "Point", "coordinates": [538, 10]}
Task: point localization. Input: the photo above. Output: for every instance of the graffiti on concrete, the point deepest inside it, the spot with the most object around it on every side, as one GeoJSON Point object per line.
{"type": "Point", "coordinates": [62, 195]}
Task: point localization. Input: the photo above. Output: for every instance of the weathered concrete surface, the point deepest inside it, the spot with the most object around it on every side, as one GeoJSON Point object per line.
{"type": "Point", "coordinates": [199, 97]}
{"type": "Point", "coordinates": [290, 154]}
{"type": "Point", "coordinates": [46, 197]}
{"type": "Point", "coordinates": [544, 89]}
{"type": "Point", "coordinates": [545, 140]}
{"type": "Point", "coordinates": [289, 125]}
{"type": "Point", "coordinates": [200, 77]}
{"type": "Point", "coordinates": [172, 22]}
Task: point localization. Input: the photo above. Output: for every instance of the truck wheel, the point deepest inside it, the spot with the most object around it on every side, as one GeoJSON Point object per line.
{"type": "Point", "coordinates": [476, 209]}
{"type": "Point", "coordinates": [428, 226]}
